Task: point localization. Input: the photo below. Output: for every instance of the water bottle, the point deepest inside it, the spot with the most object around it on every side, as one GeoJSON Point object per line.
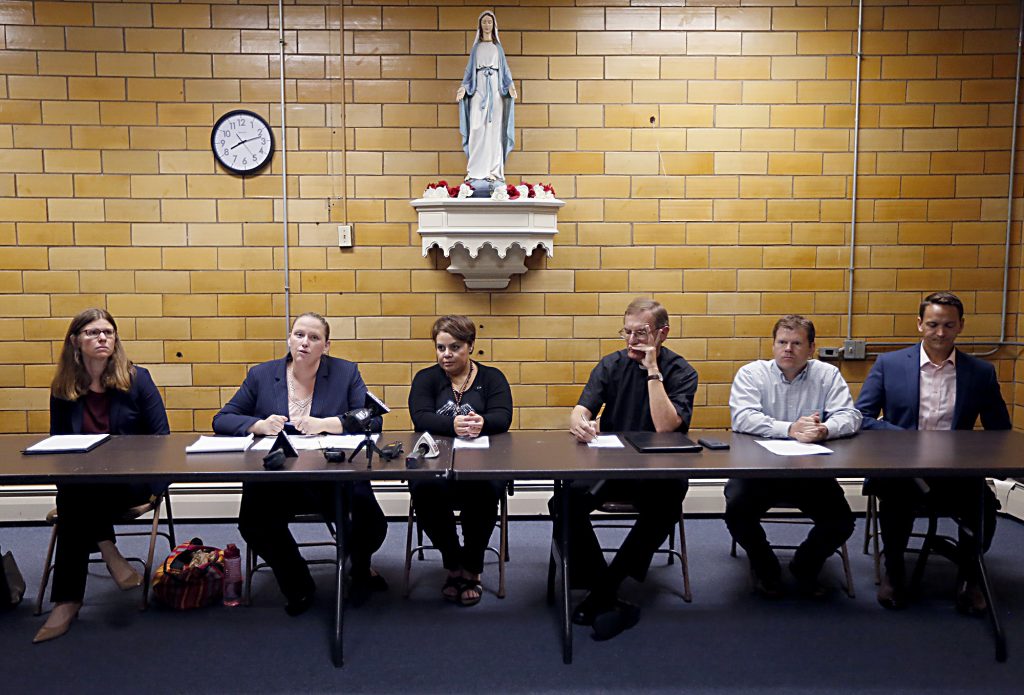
{"type": "Point", "coordinates": [232, 575]}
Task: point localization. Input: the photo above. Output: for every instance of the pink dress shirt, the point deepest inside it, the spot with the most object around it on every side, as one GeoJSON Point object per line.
{"type": "Point", "coordinates": [938, 393]}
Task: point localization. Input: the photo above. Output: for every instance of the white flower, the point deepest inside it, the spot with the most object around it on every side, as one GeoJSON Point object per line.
{"type": "Point", "coordinates": [465, 191]}
{"type": "Point", "coordinates": [499, 193]}
{"type": "Point", "coordinates": [540, 193]}
{"type": "Point", "coordinates": [524, 192]}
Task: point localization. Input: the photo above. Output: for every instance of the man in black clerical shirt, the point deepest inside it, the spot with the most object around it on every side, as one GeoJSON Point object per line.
{"type": "Point", "coordinates": [644, 387]}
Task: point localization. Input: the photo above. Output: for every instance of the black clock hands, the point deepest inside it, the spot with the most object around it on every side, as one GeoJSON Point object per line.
{"type": "Point", "coordinates": [242, 142]}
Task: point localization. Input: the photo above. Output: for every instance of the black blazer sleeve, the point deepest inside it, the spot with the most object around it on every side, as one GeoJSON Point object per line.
{"type": "Point", "coordinates": [498, 415]}
{"type": "Point", "coordinates": [425, 387]}
{"type": "Point", "coordinates": [992, 407]}
{"type": "Point", "coordinates": [145, 413]}
{"type": "Point", "coordinates": [236, 417]}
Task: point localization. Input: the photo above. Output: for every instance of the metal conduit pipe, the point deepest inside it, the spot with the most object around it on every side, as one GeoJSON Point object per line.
{"type": "Point", "coordinates": [1001, 342]}
{"type": "Point", "coordinates": [856, 157]}
{"type": "Point", "coordinates": [284, 169]}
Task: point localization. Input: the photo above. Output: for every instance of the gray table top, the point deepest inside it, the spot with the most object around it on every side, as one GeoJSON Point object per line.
{"type": "Point", "coordinates": [163, 458]}
{"type": "Point", "coordinates": [528, 455]}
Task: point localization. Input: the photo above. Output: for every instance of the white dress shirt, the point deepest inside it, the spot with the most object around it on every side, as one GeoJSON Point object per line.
{"type": "Point", "coordinates": [764, 403]}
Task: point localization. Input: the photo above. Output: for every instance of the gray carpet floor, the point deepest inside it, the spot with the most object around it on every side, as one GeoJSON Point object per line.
{"type": "Point", "coordinates": [726, 641]}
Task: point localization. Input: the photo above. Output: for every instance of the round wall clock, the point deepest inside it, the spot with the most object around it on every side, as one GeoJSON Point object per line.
{"type": "Point", "coordinates": [242, 141]}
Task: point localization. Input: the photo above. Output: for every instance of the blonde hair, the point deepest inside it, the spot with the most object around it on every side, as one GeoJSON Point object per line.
{"type": "Point", "coordinates": [72, 380]}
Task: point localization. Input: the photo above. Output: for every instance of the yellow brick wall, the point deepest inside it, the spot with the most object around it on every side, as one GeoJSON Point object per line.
{"type": "Point", "coordinates": [704, 152]}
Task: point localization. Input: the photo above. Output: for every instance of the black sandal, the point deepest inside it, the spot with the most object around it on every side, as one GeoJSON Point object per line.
{"type": "Point", "coordinates": [467, 586]}
{"type": "Point", "coordinates": [455, 583]}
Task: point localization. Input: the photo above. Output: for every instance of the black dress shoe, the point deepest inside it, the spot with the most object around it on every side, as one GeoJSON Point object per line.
{"type": "Point", "coordinates": [970, 600]}
{"type": "Point", "coordinates": [592, 606]}
{"type": "Point", "coordinates": [364, 584]}
{"type": "Point", "coordinates": [768, 586]}
{"type": "Point", "coordinates": [611, 623]}
{"type": "Point", "coordinates": [891, 594]}
{"type": "Point", "coordinates": [297, 605]}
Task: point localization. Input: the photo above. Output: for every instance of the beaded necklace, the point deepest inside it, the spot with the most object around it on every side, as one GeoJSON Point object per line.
{"type": "Point", "coordinates": [465, 384]}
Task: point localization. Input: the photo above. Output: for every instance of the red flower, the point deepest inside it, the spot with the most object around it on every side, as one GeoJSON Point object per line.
{"type": "Point", "coordinates": [549, 188]}
{"type": "Point", "coordinates": [441, 184]}
{"type": "Point", "coordinates": [512, 191]}
{"type": "Point", "coordinates": [453, 191]}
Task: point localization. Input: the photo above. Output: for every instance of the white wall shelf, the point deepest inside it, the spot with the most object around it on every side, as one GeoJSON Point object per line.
{"type": "Point", "coordinates": [487, 240]}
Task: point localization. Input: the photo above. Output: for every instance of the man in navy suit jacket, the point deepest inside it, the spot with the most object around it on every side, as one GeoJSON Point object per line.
{"type": "Point", "coordinates": [933, 386]}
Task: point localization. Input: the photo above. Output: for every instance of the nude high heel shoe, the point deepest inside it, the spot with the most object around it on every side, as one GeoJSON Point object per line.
{"type": "Point", "coordinates": [52, 632]}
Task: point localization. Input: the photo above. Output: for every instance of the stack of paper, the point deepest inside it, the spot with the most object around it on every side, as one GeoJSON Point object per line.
{"type": "Point", "coordinates": [787, 447]}
{"type": "Point", "coordinates": [606, 441]}
{"type": "Point", "coordinates": [478, 443]}
{"type": "Point", "coordinates": [219, 445]}
{"type": "Point", "coordinates": [67, 444]}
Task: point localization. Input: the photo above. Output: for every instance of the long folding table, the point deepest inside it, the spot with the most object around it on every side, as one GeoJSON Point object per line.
{"type": "Point", "coordinates": [162, 459]}
{"type": "Point", "coordinates": [526, 455]}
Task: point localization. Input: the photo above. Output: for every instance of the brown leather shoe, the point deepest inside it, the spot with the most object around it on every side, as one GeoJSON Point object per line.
{"type": "Point", "coordinates": [891, 595]}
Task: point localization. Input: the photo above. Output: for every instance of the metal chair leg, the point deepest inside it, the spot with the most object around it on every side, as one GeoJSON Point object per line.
{"type": "Point", "coordinates": [502, 545]}
{"type": "Point", "coordinates": [844, 554]}
{"type": "Point", "coordinates": [409, 551]}
{"type": "Point", "coordinates": [684, 559]}
{"type": "Point", "coordinates": [47, 570]}
{"type": "Point", "coordinates": [148, 568]}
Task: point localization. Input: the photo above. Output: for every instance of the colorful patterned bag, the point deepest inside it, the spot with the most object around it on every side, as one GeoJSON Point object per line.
{"type": "Point", "coordinates": [192, 576]}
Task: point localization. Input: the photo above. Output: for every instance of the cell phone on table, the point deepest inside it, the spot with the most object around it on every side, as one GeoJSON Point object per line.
{"type": "Point", "coordinates": [713, 444]}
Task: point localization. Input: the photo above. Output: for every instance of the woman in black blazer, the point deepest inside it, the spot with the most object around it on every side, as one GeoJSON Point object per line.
{"type": "Point", "coordinates": [458, 397]}
{"type": "Point", "coordinates": [96, 390]}
{"type": "Point", "coordinates": [312, 391]}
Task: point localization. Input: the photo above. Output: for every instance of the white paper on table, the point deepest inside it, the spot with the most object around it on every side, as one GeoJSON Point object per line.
{"type": "Point", "coordinates": [217, 445]}
{"type": "Point", "coordinates": [787, 447]}
{"type": "Point", "coordinates": [303, 442]}
{"type": "Point", "coordinates": [477, 443]}
{"type": "Point", "coordinates": [606, 441]}
{"type": "Point", "coordinates": [67, 442]}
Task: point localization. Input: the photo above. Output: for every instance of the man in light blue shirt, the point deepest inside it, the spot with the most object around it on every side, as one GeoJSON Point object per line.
{"type": "Point", "coordinates": [790, 397]}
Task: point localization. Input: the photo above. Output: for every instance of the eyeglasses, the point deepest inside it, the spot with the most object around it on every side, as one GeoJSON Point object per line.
{"type": "Point", "coordinates": [641, 334]}
{"type": "Point", "coordinates": [97, 332]}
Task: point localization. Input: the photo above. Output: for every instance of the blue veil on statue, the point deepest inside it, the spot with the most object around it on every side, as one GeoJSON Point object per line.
{"type": "Point", "coordinates": [486, 111]}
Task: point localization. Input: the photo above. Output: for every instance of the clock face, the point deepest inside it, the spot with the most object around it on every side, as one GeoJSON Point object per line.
{"type": "Point", "coordinates": [242, 141]}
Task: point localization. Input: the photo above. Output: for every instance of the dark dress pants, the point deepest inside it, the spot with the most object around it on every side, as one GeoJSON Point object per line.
{"type": "Point", "coordinates": [435, 502]}
{"type": "Point", "coordinates": [901, 499]}
{"type": "Point", "coordinates": [658, 504]}
{"type": "Point", "coordinates": [821, 499]}
{"type": "Point", "coordinates": [86, 514]}
{"type": "Point", "coordinates": [268, 508]}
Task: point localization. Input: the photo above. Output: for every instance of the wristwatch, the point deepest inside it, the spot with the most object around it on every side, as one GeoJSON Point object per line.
{"type": "Point", "coordinates": [657, 376]}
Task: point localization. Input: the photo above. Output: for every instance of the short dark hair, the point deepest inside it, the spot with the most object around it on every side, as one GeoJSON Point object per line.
{"type": "Point", "coordinates": [457, 326]}
{"type": "Point", "coordinates": [943, 298]}
{"type": "Point", "coordinates": [642, 304]}
{"type": "Point", "coordinates": [795, 322]}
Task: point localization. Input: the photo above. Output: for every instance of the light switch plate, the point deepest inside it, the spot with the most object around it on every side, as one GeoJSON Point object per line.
{"type": "Point", "coordinates": [345, 235]}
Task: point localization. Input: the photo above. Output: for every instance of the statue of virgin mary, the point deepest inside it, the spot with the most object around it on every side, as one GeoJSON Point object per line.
{"type": "Point", "coordinates": [486, 107]}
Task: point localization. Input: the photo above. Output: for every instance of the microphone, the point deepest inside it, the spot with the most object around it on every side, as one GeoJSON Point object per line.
{"type": "Point", "coordinates": [425, 447]}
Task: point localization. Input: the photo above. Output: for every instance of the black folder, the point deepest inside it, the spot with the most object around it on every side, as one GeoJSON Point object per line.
{"type": "Point", "coordinates": [662, 442]}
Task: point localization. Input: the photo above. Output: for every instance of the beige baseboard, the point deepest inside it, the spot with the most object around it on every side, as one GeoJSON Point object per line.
{"type": "Point", "coordinates": [29, 504]}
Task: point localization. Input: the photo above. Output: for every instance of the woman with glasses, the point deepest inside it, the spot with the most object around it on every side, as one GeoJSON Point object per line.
{"type": "Point", "coordinates": [458, 397]}
{"type": "Point", "coordinates": [96, 390]}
